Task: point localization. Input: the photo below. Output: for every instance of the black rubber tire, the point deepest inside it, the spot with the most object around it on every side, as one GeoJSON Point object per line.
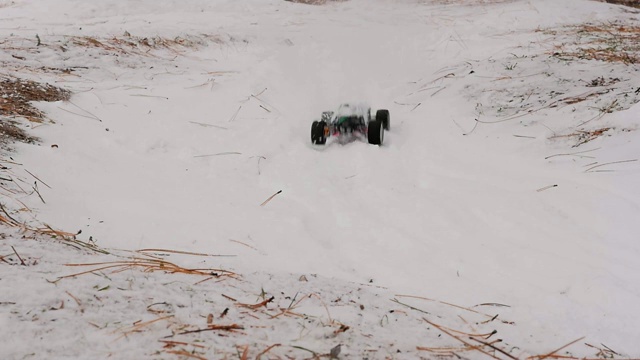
{"type": "Point", "coordinates": [375, 132]}
{"type": "Point", "coordinates": [383, 115]}
{"type": "Point", "coordinates": [314, 127]}
{"type": "Point", "coordinates": [317, 133]}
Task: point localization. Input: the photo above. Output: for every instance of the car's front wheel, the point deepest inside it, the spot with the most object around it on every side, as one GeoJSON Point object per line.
{"type": "Point", "coordinates": [375, 132]}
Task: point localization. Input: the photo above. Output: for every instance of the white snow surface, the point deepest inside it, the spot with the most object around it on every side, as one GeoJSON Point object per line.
{"type": "Point", "coordinates": [178, 148]}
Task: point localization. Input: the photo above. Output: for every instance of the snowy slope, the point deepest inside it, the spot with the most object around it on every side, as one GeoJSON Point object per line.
{"type": "Point", "coordinates": [177, 148]}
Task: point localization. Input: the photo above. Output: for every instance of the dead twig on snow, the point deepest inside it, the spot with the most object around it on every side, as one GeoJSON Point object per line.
{"type": "Point", "coordinates": [37, 178]}
{"type": "Point", "coordinates": [609, 163]}
{"type": "Point", "coordinates": [270, 197]}
{"type": "Point", "coordinates": [181, 252]}
{"type": "Point", "coordinates": [18, 255]}
{"type": "Point", "coordinates": [218, 154]}
{"type": "Point", "coordinates": [35, 188]}
{"type": "Point", "coordinates": [266, 350]}
{"type": "Point", "coordinates": [186, 354]}
{"type": "Point", "coordinates": [542, 357]}
{"type": "Point", "coordinates": [258, 305]}
{"type": "Point", "coordinates": [212, 327]}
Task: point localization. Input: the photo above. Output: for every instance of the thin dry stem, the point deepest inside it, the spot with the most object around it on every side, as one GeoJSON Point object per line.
{"type": "Point", "coordinates": [180, 252]}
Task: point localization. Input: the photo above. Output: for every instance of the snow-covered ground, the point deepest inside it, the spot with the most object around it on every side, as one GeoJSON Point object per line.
{"type": "Point", "coordinates": [187, 116]}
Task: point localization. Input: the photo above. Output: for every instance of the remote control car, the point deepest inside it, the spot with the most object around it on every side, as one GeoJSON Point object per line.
{"type": "Point", "coordinates": [351, 121]}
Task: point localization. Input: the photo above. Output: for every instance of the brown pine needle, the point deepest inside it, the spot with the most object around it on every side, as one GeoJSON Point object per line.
{"type": "Point", "coordinates": [287, 312]}
{"type": "Point", "coordinates": [258, 305]}
{"type": "Point", "coordinates": [35, 188]}
{"type": "Point", "coordinates": [267, 350]}
{"type": "Point", "coordinates": [341, 329]}
{"type": "Point", "coordinates": [185, 353]}
{"type": "Point", "coordinates": [209, 125]}
{"type": "Point", "coordinates": [410, 307]}
{"type": "Point", "coordinates": [101, 263]}
{"type": "Point", "coordinates": [546, 188]}
{"type": "Point", "coordinates": [609, 349]}
{"type": "Point", "coordinates": [37, 178]}
{"type": "Point", "coordinates": [12, 222]}
{"type": "Point", "coordinates": [3, 260]}
{"type": "Point", "coordinates": [180, 252]}
{"type": "Point", "coordinates": [542, 357]}
{"type": "Point", "coordinates": [233, 117]}
{"type": "Point", "coordinates": [445, 349]}
{"type": "Point", "coordinates": [86, 272]}
{"type": "Point", "coordinates": [81, 115]}
{"type": "Point", "coordinates": [221, 72]}
{"type": "Point", "coordinates": [495, 348]}
{"type": "Point", "coordinates": [6, 221]}
{"type": "Point", "coordinates": [241, 243]}
{"type": "Point", "coordinates": [218, 154]}
{"type": "Point", "coordinates": [229, 297]}
{"type": "Point", "coordinates": [449, 304]}
{"type": "Point", "coordinates": [462, 332]}
{"type": "Point", "coordinates": [267, 110]}
{"type": "Point", "coordinates": [231, 327]}
{"type": "Point", "coordinates": [62, 234]}
{"type": "Point", "coordinates": [610, 163]}
{"type": "Point", "coordinates": [245, 353]}
{"type": "Point", "coordinates": [203, 280]}
{"type": "Point", "coordinates": [150, 96]}
{"type": "Point", "coordinates": [139, 326]}
{"type": "Point", "coordinates": [146, 323]}
{"type": "Point", "coordinates": [171, 343]}
{"type": "Point", "coordinates": [326, 308]}
{"type": "Point", "coordinates": [459, 339]}
{"type": "Point", "coordinates": [18, 255]}
{"type": "Point", "coordinates": [270, 197]}
{"type": "Point", "coordinates": [574, 154]}
{"type": "Point", "coordinates": [148, 265]}
{"type": "Point", "coordinates": [75, 299]}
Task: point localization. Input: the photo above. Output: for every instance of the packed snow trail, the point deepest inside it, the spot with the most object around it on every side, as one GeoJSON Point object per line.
{"type": "Point", "coordinates": [178, 150]}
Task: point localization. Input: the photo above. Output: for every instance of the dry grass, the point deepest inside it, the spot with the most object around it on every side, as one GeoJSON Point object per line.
{"type": "Point", "coordinates": [485, 344]}
{"type": "Point", "coordinates": [27, 52]}
{"type": "Point", "coordinates": [16, 95]}
{"type": "Point", "coordinates": [612, 42]}
{"type": "Point", "coordinates": [136, 45]}
{"type": "Point", "coordinates": [9, 132]}
{"type": "Point", "coordinates": [589, 67]}
{"type": "Point", "coordinates": [631, 3]}
{"type": "Point", "coordinates": [476, 332]}
{"type": "Point", "coordinates": [146, 265]}
{"type": "Point", "coordinates": [123, 44]}
{"type": "Point", "coordinates": [583, 137]}
{"type": "Point", "coordinates": [30, 231]}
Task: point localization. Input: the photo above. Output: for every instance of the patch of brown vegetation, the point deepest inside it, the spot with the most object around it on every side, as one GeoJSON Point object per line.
{"type": "Point", "coordinates": [136, 45]}
{"type": "Point", "coordinates": [15, 101]}
{"type": "Point", "coordinates": [583, 137]}
{"type": "Point", "coordinates": [10, 132]}
{"type": "Point", "coordinates": [26, 53]}
{"type": "Point", "coordinates": [631, 3]}
{"type": "Point", "coordinates": [612, 42]}
{"type": "Point", "coordinates": [16, 95]}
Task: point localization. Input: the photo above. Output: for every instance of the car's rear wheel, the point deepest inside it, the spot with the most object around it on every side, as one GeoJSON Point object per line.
{"type": "Point", "coordinates": [317, 133]}
{"type": "Point", "coordinates": [375, 132]}
{"type": "Point", "coordinates": [385, 118]}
